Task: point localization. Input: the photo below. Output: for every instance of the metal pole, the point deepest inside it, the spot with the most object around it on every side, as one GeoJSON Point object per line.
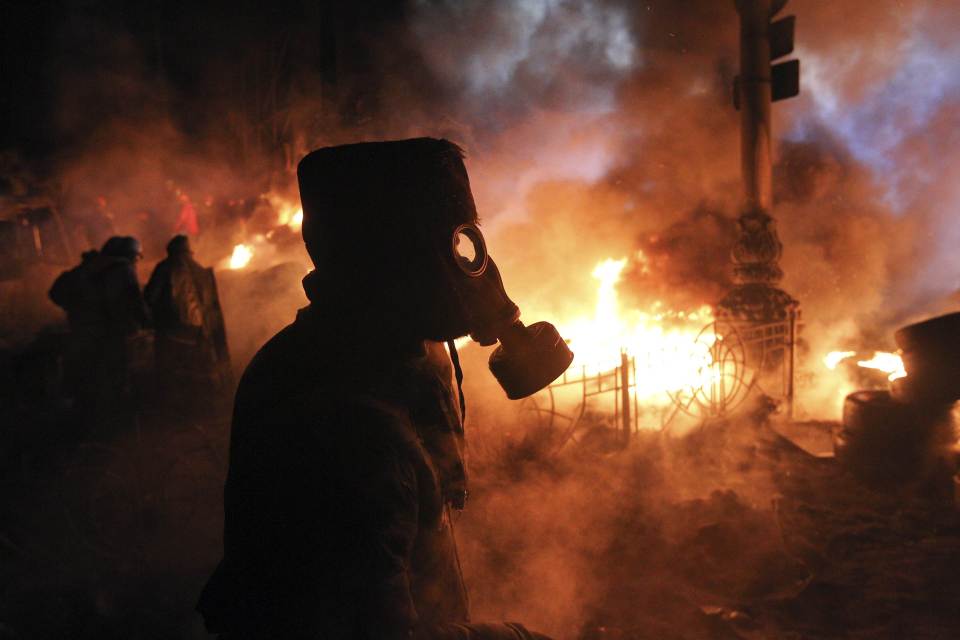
{"type": "Point", "coordinates": [791, 361]}
{"type": "Point", "coordinates": [755, 98]}
{"type": "Point", "coordinates": [625, 395]}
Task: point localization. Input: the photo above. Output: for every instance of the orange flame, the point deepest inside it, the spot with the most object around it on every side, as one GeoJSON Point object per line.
{"type": "Point", "coordinates": [889, 363]}
{"type": "Point", "coordinates": [834, 358]}
{"type": "Point", "coordinates": [663, 343]}
{"type": "Point", "coordinates": [290, 216]}
{"type": "Point", "coordinates": [241, 256]}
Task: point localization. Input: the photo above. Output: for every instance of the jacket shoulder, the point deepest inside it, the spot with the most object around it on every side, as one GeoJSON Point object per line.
{"type": "Point", "coordinates": [289, 382]}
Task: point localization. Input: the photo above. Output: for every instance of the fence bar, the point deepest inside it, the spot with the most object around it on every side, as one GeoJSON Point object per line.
{"type": "Point", "coordinates": [625, 395]}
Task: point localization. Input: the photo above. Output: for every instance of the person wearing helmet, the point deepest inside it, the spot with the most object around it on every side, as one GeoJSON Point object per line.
{"type": "Point", "coordinates": [191, 341]}
{"type": "Point", "coordinates": [106, 312]}
{"type": "Point", "coordinates": [125, 311]}
{"type": "Point", "coordinates": [346, 453]}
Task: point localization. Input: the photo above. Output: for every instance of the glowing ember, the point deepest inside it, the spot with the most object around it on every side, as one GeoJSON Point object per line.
{"type": "Point", "coordinates": [241, 256]}
{"type": "Point", "coordinates": [663, 343]}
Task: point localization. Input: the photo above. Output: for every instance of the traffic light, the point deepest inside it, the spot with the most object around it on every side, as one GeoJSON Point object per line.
{"type": "Point", "coordinates": [784, 76]}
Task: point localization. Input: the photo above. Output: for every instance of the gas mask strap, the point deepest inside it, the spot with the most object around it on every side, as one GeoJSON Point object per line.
{"type": "Point", "coordinates": [458, 373]}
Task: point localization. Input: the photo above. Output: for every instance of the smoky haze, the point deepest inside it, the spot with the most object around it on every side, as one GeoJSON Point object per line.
{"type": "Point", "coordinates": [593, 130]}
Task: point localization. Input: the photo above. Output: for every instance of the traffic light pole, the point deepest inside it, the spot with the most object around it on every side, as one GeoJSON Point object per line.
{"type": "Point", "coordinates": [755, 100]}
{"type": "Point", "coordinates": [765, 315]}
{"type": "Point", "coordinates": [757, 252]}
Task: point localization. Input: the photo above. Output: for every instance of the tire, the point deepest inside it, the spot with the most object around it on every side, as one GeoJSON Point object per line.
{"type": "Point", "coordinates": [884, 441]}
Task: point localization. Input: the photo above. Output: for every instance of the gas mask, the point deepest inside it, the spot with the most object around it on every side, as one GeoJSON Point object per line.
{"type": "Point", "coordinates": [528, 358]}
{"type": "Point", "coordinates": [406, 207]}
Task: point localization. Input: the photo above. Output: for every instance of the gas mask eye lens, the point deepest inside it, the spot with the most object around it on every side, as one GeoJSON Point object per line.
{"type": "Point", "coordinates": [469, 249]}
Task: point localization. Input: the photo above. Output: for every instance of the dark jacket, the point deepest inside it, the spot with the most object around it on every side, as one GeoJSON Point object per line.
{"type": "Point", "coordinates": [343, 447]}
{"type": "Point", "coordinates": [183, 300]}
{"type": "Point", "coordinates": [124, 308]}
{"type": "Point", "coordinates": [101, 297]}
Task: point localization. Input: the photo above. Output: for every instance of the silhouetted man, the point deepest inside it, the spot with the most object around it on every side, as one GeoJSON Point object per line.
{"type": "Point", "coordinates": [115, 277]}
{"type": "Point", "coordinates": [105, 310]}
{"type": "Point", "coordinates": [75, 292]}
{"type": "Point", "coordinates": [191, 341]}
{"type": "Point", "coordinates": [346, 446]}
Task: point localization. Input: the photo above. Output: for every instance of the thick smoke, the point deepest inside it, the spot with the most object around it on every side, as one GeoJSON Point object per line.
{"type": "Point", "coordinates": [593, 130]}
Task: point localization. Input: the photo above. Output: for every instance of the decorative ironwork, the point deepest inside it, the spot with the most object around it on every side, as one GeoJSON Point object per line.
{"type": "Point", "coordinates": [725, 378]}
{"type": "Point", "coordinates": [735, 359]}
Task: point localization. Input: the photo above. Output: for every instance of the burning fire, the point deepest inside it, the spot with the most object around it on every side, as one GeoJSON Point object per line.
{"type": "Point", "coordinates": [241, 256]}
{"type": "Point", "coordinates": [290, 216]}
{"type": "Point", "coordinates": [832, 359]}
{"type": "Point", "coordinates": [663, 343]}
{"type": "Point", "coordinates": [889, 363]}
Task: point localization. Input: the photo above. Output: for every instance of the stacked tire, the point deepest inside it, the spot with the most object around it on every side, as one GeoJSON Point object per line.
{"type": "Point", "coordinates": [885, 441]}
{"type": "Point", "coordinates": [907, 434]}
{"type": "Point", "coordinates": [931, 357]}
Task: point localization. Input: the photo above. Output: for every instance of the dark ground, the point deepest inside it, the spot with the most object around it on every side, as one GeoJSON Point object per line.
{"type": "Point", "coordinates": [731, 532]}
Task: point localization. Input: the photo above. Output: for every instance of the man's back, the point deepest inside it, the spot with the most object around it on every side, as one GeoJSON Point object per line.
{"type": "Point", "coordinates": [179, 292]}
{"type": "Point", "coordinates": [75, 292]}
{"type": "Point", "coordinates": [334, 509]}
{"type": "Point", "coordinates": [119, 293]}
{"type": "Point", "coordinates": [191, 336]}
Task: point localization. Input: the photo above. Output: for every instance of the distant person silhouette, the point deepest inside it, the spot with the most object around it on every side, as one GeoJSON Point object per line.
{"type": "Point", "coordinates": [106, 311]}
{"type": "Point", "coordinates": [191, 340]}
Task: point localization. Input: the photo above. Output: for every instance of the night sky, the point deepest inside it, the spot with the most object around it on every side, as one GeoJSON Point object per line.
{"type": "Point", "coordinates": [69, 67]}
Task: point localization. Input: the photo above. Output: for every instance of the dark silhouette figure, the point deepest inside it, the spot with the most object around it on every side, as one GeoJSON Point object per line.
{"type": "Point", "coordinates": [347, 438]}
{"type": "Point", "coordinates": [74, 292]}
{"type": "Point", "coordinates": [106, 314]}
{"type": "Point", "coordinates": [191, 339]}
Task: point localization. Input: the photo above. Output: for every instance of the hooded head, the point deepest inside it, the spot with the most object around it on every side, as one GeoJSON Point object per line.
{"type": "Point", "coordinates": [379, 222]}
{"type": "Point", "coordinates": [179, 246]}
{"type": "Point", "coordinates": [392, 230]}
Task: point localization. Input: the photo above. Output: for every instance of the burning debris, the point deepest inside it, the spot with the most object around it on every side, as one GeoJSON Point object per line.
{"type": "Point", "coordinates": [906, 433]}
{"type": "Point", "coordinates": [889, 363]}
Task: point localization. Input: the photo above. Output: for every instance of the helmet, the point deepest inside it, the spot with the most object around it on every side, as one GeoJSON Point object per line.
{"type": "Point", "coordinates": [122, 247]}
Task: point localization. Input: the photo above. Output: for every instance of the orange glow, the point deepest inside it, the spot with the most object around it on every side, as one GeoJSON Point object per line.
{"type": "Point", "coordinates": [663, 343]}
{"type": "Point", "coordinates": [889, 363]}
{"type": "Point", "coordinates": [241, 256]}
{"type": "Point", "coordinates": [290, 216]}
{"type": "Point", "coordinates": [834, 358]}
{"type": "Point", "coordinates": [289, 213]}
{"type": "Point", "coordinates": [296, 221]}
